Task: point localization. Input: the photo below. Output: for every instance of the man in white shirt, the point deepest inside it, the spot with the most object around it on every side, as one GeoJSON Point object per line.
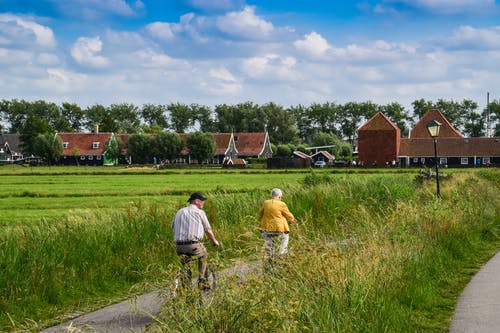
{"type": "Point", "coordinates": [190, 224]}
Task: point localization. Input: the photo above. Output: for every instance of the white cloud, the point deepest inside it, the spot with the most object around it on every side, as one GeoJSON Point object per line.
{"type": "Point", "coordinates": [151, 58]}
{"type": "Point", "coordinates": [222, 74]}
{"type": "Point", "coordinates": [43, 35]}
{"type": "Point", "coordinates": [313, 44]}
{"type": "Point", "coordinates": [245, 24]}
{"type": "Point", "coordinates": [271, 67]}
{"type": "Point", "coordinates": [85, 52]}
{"type": "Point", "coordinates": [47, 59]}
{"type": "Point", "coordinates": [161, 30]}
{"type": "Point", "coordinates": [469, 37]}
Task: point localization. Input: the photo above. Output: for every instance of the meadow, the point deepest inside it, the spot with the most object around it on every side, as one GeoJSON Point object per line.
{"type": "Point", "coordinates": [374, 251]}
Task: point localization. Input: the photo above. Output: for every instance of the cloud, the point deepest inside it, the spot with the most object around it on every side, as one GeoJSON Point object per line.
{"type": "Point", "coordinates": [15, 27]}
{"type": "Point", "coordinates": [245, 24]}
{"type": "Point", "coordinates": [467, 37]}
{"type": "Point", "coordinates": [151, 58]}
{"type": "Point", "coordinates": [161, 30]}
{"type": "Point", "coordinates": [85, 52]}
{"type": "Point", "coordinates": [270, 67]}
{"type": "Point", "coordinates": [313, 44]}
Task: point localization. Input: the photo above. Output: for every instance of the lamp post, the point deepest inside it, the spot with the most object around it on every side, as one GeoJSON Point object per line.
{"type": "Point", "coordinates": [433, 128]}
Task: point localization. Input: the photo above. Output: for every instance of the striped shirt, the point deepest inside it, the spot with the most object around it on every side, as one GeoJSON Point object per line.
{"type": "Point", "coordinates": [189, 224]}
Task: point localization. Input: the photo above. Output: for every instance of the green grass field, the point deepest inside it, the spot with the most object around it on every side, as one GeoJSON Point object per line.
{"type": "Point", "coordinates": [375, 250]}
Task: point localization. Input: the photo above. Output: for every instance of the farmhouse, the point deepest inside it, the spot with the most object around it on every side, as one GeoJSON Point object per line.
{"type": "Point", "coordinates": [10, 148]}
{"type": "Point", "coordinates": [380, 144]}
{"type": "Point", "coordinates": [234, 145]}
{"type": "Point", "coordinates": [90, 148]}
{"type": "Point", "coordinates": [87, 148]}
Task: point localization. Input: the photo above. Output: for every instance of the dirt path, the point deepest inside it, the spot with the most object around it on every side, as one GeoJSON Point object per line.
{"type": "Point", "coordinates": [136, 314]}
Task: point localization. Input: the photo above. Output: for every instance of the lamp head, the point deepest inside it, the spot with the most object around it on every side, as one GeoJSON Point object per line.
{"type": "Point", "coordinates": [433, 128]}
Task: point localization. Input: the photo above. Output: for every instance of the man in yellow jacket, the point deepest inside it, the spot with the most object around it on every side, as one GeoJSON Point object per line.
{"type": "Point", "coordinates": [274, 216]}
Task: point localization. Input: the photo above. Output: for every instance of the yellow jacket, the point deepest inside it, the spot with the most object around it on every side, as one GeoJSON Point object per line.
{"type": "Point", "coordinates": [273, 216]}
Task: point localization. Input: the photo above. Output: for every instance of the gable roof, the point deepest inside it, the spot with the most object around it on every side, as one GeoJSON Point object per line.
{"type": "Point", "coordinates": [301, 154]}
{"type": "Point", "coordinates": [446, 131]}
{"type": "Point", "coordinates": [247, 144]}
{"type": "Point", "coordinates": [324, 153]}
{"type": "Point", "coordinates": [12, 140]}
{"type": "Point", "coordinates": [84, 142]}
{"type": "Point", "coordinates": [450, 147]}
{"type": "Point", "coordinates": [379, 122]}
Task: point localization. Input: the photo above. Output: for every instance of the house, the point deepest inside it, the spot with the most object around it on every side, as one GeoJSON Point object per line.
{"type": "Point", "coordinates": [323, 155]}
{"type": "Point", "coordinates": [380, 144]}
{"type": "Point", "coordinates": [378, 141]}
{"type": "Point", "coordinates": [10, 148]}
{"type": "Point", "coordinates": [85, 148]}
{"type": "Point", "coordinates": [234, 145]}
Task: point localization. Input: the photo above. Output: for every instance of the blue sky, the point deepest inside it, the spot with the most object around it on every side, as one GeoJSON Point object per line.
{"type": "Point", "coordinates": [232, 51]}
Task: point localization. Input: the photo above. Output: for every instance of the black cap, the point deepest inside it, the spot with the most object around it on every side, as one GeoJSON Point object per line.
{"type": "Point", "coordinates": [196, 195]}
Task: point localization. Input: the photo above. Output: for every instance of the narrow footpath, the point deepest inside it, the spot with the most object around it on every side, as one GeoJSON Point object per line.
{"type": "Point", "coordinates": [478, 308]}
{"type": "Point", "coordinates": [477, 311]}
{"type": "Point", "coordinates": [137, 314]}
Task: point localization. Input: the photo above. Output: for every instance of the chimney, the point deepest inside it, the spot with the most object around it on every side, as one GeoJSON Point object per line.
{"type": "Point", "coordinates": [96, 129]}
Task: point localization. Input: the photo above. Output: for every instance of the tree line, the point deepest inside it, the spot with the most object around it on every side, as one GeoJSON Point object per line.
{"type": "Point", "coordinates": [317, 124]}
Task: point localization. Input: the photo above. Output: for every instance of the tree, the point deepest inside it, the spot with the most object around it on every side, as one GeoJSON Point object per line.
{"type": "Point", "coordinates": [327, 139]}
{"type": "Point", "coordinates": [283, 150]}
{"type": "Point", "coordinates": [139, 148]}
{"type": "Point", "coordinates": [31, 128]}
{"type": "Point", "coordinates": [154, 116]}
{"type": "Point", "coordinates": [494, 110]}
{"type": "Point", "coordinates": [98, 115]}
{"type": "Point", "coordinates": [168, 145]}
{"type": "Point", "coordinates": [48, 146]}
{"type": "Point", "coordinates": [181, 117]}
{"type": "Point", "coordinates": [125, 117]}
{"type": "Point", "coordinates": [203, 116]}
{"type": "Point", "coordinates": [201, 146]}
{"type": "Point", "coordinates": [113, 149]}
{"type": "Point", "coordinates": [74, 115]}
{"type": "Point", "coordinates": [351, 115]}
{"type": "Point", "coordinates": [474, 125]}
{"type": "Point", "coordinates": [280, 124]}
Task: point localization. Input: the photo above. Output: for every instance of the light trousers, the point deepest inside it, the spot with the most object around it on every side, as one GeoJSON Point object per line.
{"type": "Point", "coordinates": [270, 241]}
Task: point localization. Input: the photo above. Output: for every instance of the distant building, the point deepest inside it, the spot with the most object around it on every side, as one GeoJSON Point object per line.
{"type": "Point", "coordinates": [380, 144]}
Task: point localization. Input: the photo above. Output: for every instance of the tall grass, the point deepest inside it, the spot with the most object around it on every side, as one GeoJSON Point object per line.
{"type": "Point", "coordinates": [48, 269]}
{"type": "Point", "coordinates": [371, 255]}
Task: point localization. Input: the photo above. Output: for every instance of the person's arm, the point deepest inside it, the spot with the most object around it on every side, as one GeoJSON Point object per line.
{"type": "Point", "coordinates": [211, 236]}
{"type": "Point", "coordinates": [287, 214]}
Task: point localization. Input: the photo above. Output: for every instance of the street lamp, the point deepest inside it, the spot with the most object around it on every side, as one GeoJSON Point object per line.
{"type": "Point", "coordinates": [433, 128]}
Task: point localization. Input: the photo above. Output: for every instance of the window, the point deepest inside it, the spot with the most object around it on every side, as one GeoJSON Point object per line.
{"type": "Point", "coordinates": [415, 160]}
{"type": "Point", "coordinates": [65, 145]}
{"type": "Point", "coordinates": [82, 157]}
{"type": "Point", "coordinates": [98, 157]}
{"type": "Point", "coordinates": [235, 139]}
{"type": "Point", "coordinates": [464, 160]}
{"type": "Point", "coordinates": [443, 161]}
{"type": "Point", "coordinates": [95, 145]}
{"type": "Point", "coordinates": [91, 157]}
{"type": "Point", "coordinates": [422, 160]}
{"type": "Point", "coordinates": [486, 160]}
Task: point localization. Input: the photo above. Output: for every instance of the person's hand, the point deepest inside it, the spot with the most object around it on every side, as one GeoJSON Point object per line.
{"type": "Point", "coordinates": [216, 243]}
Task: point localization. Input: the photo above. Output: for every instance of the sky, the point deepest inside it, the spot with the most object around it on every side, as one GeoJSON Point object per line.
{"type": "Point", "coordinates": [211, 52]}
